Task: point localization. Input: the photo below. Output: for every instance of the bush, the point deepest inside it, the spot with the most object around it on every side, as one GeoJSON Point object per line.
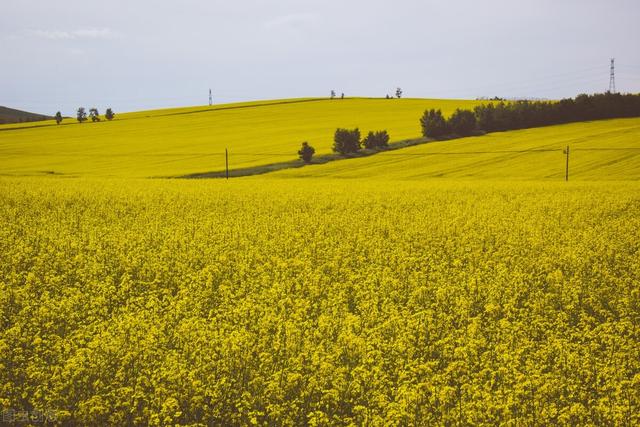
{"type": "Point", "coordinates": [306, 152]}
{"type": "Point", "coordinates": [462, 122]}
{"type": "Point", "coordinates": [346, 141]}
{"type": "Point", "coordinates": [433, 124]}
{"type": "Point", "coordinates": [376, 140]}
{"type": "Point", "coordinates": [109, 114]}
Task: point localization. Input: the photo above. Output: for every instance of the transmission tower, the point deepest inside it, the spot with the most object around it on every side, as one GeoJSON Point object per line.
{"type": "Point", "coordinates": [210, 98]}
{"type": "Point", "coordinates": [612, 77]}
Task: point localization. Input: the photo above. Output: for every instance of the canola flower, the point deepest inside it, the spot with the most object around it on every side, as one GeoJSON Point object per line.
{"type": "Point", "coordinates": [322, 302]}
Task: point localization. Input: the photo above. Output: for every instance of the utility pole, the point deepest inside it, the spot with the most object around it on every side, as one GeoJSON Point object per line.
{"type": "Point", "coordinates": [210, 98]}
{"type": "Point", "coordinates": [566, 170]}
{"type": "Point", "coordinates": [612, 77]}
{"type": "Point", "coordinates": [226, 161]}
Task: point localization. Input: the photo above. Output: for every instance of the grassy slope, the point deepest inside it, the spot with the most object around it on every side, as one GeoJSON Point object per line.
{"type": "Point", "coordinates": [446, 158]}
{"type": "Point", "coordinates": [182, 141]}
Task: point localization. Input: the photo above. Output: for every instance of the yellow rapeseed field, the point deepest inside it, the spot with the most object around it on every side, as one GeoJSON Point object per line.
{"type": "Point", "coordinates": [599, 150]}
{"type": "Point", "coordinates": [320, 302]}
{"type": "Point", "coordinates": [192, 140]}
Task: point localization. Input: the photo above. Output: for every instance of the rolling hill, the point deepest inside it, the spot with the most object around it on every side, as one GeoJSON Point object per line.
{"type": "Point", "coordinates": [10, 115]}
{"type": "Point", "coordinates": [175, 142]}
{"type": "Point", "coordinates": [599, 150]}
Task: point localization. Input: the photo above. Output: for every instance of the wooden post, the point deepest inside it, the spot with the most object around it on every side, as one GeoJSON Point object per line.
{"type": "Point", "coordinates": [566, 171]}
{"type": "Point", "coordinates": [226, 161]}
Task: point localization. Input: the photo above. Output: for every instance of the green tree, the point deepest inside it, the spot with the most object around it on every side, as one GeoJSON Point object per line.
{"type": "Point", "coordinates": [109, 114]}
{"type": "Point", "coordinates": [81, 115]}
{"type": "Point", "coordinates": [346, 141]}
{"type": "Point", "coordinates": [58, 117]}
{"type": "Point", "coordinates": [433, 124]}
{"type": "Point", "coordinates": [462, 122]}
{"type": "Point", "coordinates": [94, 114]}
{"type": "Point", "coordinates": [398, 93]}
{"type": "Point", "coordinates": [378, 139]}
{"type": "Point", "coordinates": [306, 152]}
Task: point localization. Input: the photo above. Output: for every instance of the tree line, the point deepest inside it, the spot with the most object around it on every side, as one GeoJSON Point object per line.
{"type": "Point", "coordinates": [81, 115]}
{"type": "Point", "coordinates": [505, 116]}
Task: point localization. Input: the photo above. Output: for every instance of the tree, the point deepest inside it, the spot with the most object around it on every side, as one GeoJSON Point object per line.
{"type": "Point", "coordinates": [382, 138]}
{"type": "Point", "coordinates": [376, 140]}
{"type": "Point", "coordinates": [333, 94]}
{"type": "Point", "coordinates": [369, 141]}
{"type": "Point", "coordinates": [109, 114]}
{"type": "Point", "coordinates": [346, 141]}
{"type": "Point", "coordinates": [58, 117]}
{"type": "Point", "coordinates": [398, 93]}
{"type": "Point", "coordinates": [81, 115]}
{"type": "Point", "coordinates": [95, 116]}
{"type": "Point", "coordinates": [433, 124]}
{"type": "Point", "coordinates": [462, 122]}
{"type": "Point", "coordinates": [306, 152]}
{"type": "Point", "coordinates": [485, 117]}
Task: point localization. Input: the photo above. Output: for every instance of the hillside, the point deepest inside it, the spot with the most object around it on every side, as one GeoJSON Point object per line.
{"type": "Point", "coordinates": [10, 115]}
{"type": "Point", "coordinates": [190, 140]}
{"type": "Point", "coordinates": [599, 150]}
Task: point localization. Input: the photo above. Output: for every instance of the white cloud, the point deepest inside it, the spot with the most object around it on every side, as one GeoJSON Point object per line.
{"type": "Point", "coordinates": [95, 33]}
{"type": "Point", "coordinates": [52, 35]}
{"type": "Point", "coordinates": [85, 33]}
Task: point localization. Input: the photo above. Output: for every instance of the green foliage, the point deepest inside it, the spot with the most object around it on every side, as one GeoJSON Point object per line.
{"type": "Point", "coordinates": [379, 139]}
{"type": "Point", "coordinates": [306, 152]}
{"type": "Point", "coordinates": [527, 114]}
{"type": "Point", "coordinates": [462, 122]}
{"type": "Point", "coordinates": [434, 124]}
{"type": "Point", "coordinates": [109, 114]}
{"type": "Point", "coordinates": [58, 118]}
{"type": "Point", "coordinates": [346, 141]}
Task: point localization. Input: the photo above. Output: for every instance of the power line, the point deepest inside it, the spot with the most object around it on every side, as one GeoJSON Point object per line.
{"type": "Point", "coordinates": [181, 156]}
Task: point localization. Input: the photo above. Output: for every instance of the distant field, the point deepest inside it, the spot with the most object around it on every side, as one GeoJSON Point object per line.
{"type": "Point", "coordinates": [190, 140]}
{"type": "Point", "coordinates": [599, 150]}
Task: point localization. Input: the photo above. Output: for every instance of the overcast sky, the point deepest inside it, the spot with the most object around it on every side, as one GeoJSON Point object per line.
{"type": "Point", "coordinates": [140, 54]}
